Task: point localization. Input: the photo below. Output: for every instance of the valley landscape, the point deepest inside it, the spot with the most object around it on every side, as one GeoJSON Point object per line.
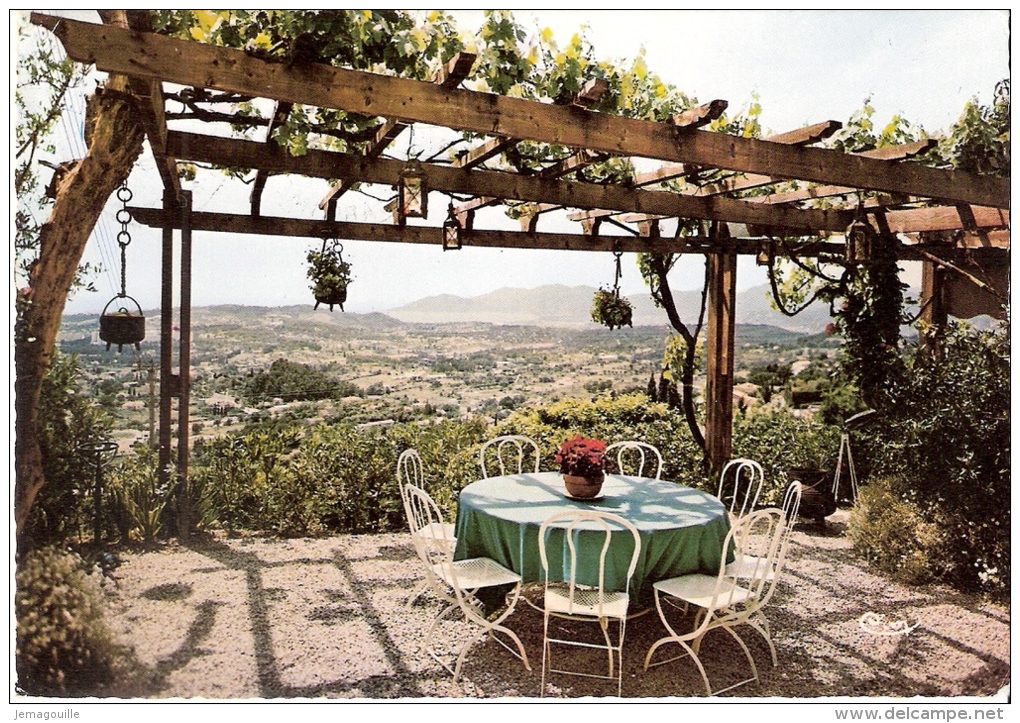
{"type": "Point", "coordinates": [438, 357]}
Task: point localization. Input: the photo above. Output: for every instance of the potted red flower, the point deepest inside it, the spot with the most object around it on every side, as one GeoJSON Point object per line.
{"type": "Point", "coordinates": [582, 463]}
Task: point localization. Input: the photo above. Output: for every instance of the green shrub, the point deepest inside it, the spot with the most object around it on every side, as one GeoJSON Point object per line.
{"type": "Point", "coordinates": [946, 432]}
{"type": "Point", "coordinates": [612, 419]}
{"type": "Point", "coordinates": [68, 419]}
{"type": "Point", "coordinates": [779, 441]}
{"type": "Point", "coordinates": [333, 478]}
{"type": "Point", "coordinates": [892, 534]}
{"type": "Point", "coordinates": [140, 499]}
{"type": "Point", "coordinates": [63, 644]}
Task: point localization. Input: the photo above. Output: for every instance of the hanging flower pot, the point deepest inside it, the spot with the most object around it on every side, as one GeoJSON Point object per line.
{"type": "Point", "coordinates": [608, 307]}
{"type": "Point", "coordinates": [123, 326]}
{"type": "Point", "coordinates": [330, 275]}
{"type": "Point", "coordinates": [611, 310]}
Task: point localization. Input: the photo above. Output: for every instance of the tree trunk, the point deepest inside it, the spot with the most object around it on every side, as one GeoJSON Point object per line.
{"type": "Point", "coordinates": [114, 136]}
{"type": "Point", "coordinates": [664, 296]}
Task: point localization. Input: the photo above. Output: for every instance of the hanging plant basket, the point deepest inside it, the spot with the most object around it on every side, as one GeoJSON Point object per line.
{"type": "Point", "coordinates": [611, 310]}
{"type": "Point", "coordinates": [333, 297]}
{"type": "Point", "coordinates": [123, 326]}
{"type": "Point", "coordinates": [330, 275]}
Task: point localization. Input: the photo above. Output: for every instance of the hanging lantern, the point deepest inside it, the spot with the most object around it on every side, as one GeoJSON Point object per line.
{"type": "Point", "coordinates": [451, 231]}
{"type": "Point", "coordinates": [858, 243]}
{"type": "Point", "coordinates": [413, 192]}
{"type": "Point", "coordinates": [123, 326]}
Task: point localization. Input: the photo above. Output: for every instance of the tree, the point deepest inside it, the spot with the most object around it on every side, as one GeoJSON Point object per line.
{"type": "Point", "coordinates": [114, 137]}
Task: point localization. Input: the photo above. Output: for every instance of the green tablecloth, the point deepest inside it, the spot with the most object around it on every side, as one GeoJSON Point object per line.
{"type": "Point", "coordinates": [682, 529]}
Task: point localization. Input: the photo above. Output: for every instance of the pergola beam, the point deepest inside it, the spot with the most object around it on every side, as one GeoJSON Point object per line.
{"type": "Point", "coordinates": [448, 76]}
{"type": "Point", "coordinates": [152, 111]}
{"type": "Point", "coordinates": [700, 116]}
{"type": "Point", "coordinates": [324, 164]}
{"type": "Point", "coordinates": [889, 153]}
{"type": "Point", "coordinates": [308, 228]}
{"type": "Point", "coordinates": [150, 55]}
{"type": "Point", "coordinates": [737, 183]}
{"type": "Point", "coordinates": [801, 136]}
{"type": "Point", "coordinates": [280, 113]}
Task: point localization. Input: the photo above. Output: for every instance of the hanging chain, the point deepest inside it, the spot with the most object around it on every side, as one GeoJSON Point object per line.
{"type": "Point", "coordinates": [124, 237]}
{"type": "Point", "coordinates": [619, 271]}
{"type": "Point", "coordinates": [333, 244]}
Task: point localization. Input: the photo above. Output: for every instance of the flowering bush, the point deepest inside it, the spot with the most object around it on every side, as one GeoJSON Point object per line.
{"type": "Point", "coordinates": [582, 457]}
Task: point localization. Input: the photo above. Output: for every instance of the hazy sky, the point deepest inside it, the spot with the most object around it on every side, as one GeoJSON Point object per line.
{"type": "Point", "coordinates": [804, 67]}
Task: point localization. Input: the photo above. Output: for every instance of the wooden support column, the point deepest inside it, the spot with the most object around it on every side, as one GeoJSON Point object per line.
{"type": "Point", "coordinates": [184, 386]}
{"type": "Point", "coordinates": [933, 307]}
{"type": "Point", "coordinates": [722, 297]}
{"type": "Point", "coordinates": [166, 375]}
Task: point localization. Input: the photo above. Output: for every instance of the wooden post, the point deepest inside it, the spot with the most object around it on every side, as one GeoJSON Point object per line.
{"type": "Point", "coordinates": [722, 296]}
{"type": "Point", "coordinates": [933, 307]}
{"type": "Point", "coordinates": [166, 341]}
{"type": "Point", "coordinates": [184, 387]}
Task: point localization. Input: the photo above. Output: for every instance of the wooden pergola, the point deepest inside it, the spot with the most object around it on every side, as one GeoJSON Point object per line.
{"type": "Point", "coordinates": [905, 198]}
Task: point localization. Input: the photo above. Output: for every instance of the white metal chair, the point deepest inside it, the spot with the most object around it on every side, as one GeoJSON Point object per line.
{"type": "Point", "coordinates": [638, 453]}
{"type": "Point", "coordinates": [510, 452]}
{"type": "Point", "coordinates": [573, 601]}
{"type": "Point", "coordinates": [791, 506]}
{"type": "Point", "coordinates": [740, 484]}
{"type": "Point", "coordinates": [410, 473]}
{"type": "Point", "coordinates": [456, 582]}
{"type": "Point", "coordinates": [724, 602]}
{"type": "Point", "coordinates": [750, 564]}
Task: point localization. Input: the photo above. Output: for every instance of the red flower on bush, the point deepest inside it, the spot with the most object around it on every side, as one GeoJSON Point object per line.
{"type": "Point", "coordinates": [582, 457]}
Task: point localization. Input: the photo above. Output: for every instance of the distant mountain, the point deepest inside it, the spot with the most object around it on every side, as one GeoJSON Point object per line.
{"type": "Point", "coordinates": [558, 305]}
{"type": "Point", "coordinates": [76, 326]}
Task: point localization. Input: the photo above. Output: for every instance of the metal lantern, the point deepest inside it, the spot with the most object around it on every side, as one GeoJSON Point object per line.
{"type": "Point", "coordinates": [451, 231]}
{"type": "Point", "coordinates": [858, 243]}
{"type": "Point", "coordinates": [413, 192]}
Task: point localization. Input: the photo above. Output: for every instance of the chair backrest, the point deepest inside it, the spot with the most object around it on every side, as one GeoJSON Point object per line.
{"type": "Point", "coordinates": [593, 525]}
{"type": "Point", "coordinates": [434, 546]}
{"type": "Point", "coordinates": [510, 454]}
{"type": "Point", "coordinates": [740, 484]}
{"type": "Point", "coordinates": [791, 507]}
{"type": "Point", "coordinates": [756, 542]}
{"type": "Point", "coordinates": [791, 503]}
{"type": "Point", "coordinates": [624, 453]}
{"type": "Point", "coordinates": [410, 473]}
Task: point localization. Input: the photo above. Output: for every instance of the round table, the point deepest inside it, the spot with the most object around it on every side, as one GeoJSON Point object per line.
{"type": "Point", "coordinates": [682, 529]}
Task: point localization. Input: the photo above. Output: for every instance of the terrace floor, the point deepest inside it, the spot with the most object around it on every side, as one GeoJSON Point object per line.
{"type": "Point", "coordinates": [328, 618]}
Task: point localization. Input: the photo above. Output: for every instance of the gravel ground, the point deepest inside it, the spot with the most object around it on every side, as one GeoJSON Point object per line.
{"type": "Point", "coordinates": [328, 618]}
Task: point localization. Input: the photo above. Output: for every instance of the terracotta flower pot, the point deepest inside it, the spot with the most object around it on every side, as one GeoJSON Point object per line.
{"type": "Point", "coordinates": [583, 487]}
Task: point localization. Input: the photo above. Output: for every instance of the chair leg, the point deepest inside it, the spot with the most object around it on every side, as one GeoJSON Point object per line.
{"type": "Point", "coordinates": [604, 624]}
{"type": "Point", "coordinates": [432, 630]}
{"type": "Point", "coordinates": [690, 651]}
{"type": "Point", "coordinates": [491, 627]}
{"type": "Point", "coordinates": [747, 654]}
{"type": "Point", "coordinates": [545, 651]}
{"type": "Point", "coordinates": [762, 628]}
{"type": "Point", "coordinates": [422, 589]}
